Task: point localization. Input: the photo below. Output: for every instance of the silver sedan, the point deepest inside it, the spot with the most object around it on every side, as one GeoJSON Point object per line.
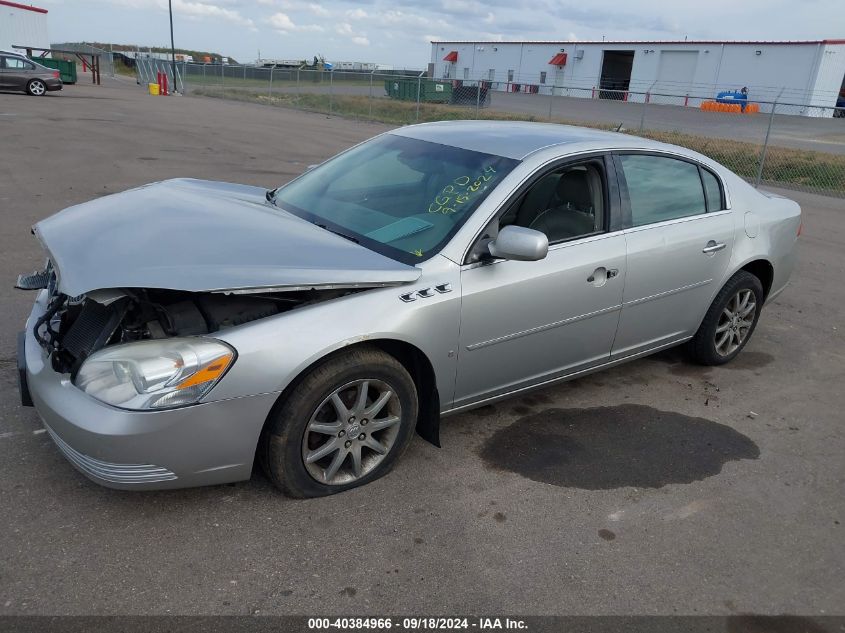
{"type": "Point", "coordinates": [184, 329]}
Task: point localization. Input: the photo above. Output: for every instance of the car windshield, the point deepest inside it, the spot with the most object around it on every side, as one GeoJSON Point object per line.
{"type": "Point", "coordinates": [398, 196]}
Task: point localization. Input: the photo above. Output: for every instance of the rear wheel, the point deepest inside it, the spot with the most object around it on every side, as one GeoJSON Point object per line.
{"type": "Point", "coordinates": [36, 88]}
{"type": "Point", "coordinates": [344, 425]}
{"type": "Point", "coordinates": [730, 321]}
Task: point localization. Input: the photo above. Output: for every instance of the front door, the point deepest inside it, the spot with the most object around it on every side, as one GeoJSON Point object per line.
{"type": "Point", "coordinates": [526, 322]}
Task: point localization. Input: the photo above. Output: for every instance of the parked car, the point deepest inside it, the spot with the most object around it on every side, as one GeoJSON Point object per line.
{"type": "Point", "coordinates": [185, 328]}
{"type": "Point", "coordinates": [19, 73]}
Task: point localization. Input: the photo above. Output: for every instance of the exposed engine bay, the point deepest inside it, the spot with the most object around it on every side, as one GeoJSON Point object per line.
{"type": "Point", "coordinates": [72, 328]}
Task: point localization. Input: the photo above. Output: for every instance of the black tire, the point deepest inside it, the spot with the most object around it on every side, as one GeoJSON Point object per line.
{"type": "Point", "coordinates": [703, 345]}
{"type": "Point", "coordinates": [282, 444]}
{"type": "Point", "coordinates": [36, 88]}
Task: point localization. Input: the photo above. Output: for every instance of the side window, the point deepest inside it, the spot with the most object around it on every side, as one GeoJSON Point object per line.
{"type": "Point", "coordinates": [564, 204]}
{"type": "Point", "coordinates": [662, 188]}
{"type": "Point", "coordinates": [16, 64]}
{"type": "Point", "coordinates": [713, 191]}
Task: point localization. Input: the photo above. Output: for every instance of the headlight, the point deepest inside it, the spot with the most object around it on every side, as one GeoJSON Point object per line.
{"type": "Point", "coordinates": [155, 374]}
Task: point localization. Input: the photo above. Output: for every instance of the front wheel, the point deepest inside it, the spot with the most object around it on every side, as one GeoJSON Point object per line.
{"type": "Point", "coordinates": [344, 425]}
{"type": "Point", "coordinates": [36, 88]}
{"type": "Point", "coordinates": [730, 321]}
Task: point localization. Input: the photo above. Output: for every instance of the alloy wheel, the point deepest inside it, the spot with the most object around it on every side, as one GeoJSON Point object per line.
{"type": "Point", "coordinates": [351, 432]}
{"type": "Point", "coordinates": [735, 322]}
{"type": "Point", "coordinates": [37, 88]}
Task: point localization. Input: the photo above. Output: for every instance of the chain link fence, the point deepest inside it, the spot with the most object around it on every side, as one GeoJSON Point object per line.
{"type": "Point", "coordinates": [770, 141]}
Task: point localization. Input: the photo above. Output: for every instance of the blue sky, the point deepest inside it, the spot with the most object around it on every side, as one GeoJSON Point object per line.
{"type": "Point", "coordinates": [397, 32]}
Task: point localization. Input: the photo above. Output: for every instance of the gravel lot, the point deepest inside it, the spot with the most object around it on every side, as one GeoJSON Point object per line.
{"type": "Point", "coordinates": [649, 488]}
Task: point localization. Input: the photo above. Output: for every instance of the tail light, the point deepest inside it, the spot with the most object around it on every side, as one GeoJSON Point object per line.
{"type": "Point", "coordinates": [55, 74]}
{"type": "Point", "coordinates": [800, 228]}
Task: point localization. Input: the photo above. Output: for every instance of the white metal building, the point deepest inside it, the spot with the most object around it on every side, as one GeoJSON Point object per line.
{"type": "Point", "coordinates": [805, 72]}
{"type": "Point", "coordinates": [22, 25]}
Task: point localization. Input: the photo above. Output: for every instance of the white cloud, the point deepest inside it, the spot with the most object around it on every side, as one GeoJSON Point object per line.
{"type": "Point", "coordinates": [314, 8]}
{"type": "Point", "coordinates": [356, 14]}
{"type": "Point", "coordinates": [344, 28]}
{"type": "Point", "coordinates": [204, 9]}
{"type": "Point", "coordinates": [317, 9]}
{"type": "Point", "coordinates": [190, 9]}
{"type": "Point", "coordinates": [360, 40]}
{"type": "Point", "coordinates": [282, 22]}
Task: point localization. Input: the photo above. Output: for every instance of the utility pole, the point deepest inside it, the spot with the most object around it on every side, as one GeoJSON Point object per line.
{"type": "Point", "coordinates": [172, 46]}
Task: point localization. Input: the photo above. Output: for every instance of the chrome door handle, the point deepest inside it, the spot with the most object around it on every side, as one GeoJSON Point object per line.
{"type": "Point", "coordinates": [713, 247]}
{"type": "Point", "coordinates": [601, 275]}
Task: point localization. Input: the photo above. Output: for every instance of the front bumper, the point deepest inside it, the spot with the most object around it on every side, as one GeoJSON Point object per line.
{"type": "Point", "coordinates": [209, 443]}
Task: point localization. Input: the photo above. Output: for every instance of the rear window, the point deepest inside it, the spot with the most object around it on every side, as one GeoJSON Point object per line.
{"type": "Point", "coordinates": [662, 188]}
{"type": "Point", "coordinates": [713, 191]}
{"type": "Point", "coordinates": [15, 63]}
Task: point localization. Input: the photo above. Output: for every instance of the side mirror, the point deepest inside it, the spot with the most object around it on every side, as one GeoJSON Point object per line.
{"type": "Point", "coordinates": [519, 244]}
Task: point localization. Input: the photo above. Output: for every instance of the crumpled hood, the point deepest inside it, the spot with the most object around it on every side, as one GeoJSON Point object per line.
{"type": "Point", "coordinates": [198, 235]}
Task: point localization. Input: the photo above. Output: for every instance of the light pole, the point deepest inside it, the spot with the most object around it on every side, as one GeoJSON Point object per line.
{"type": "Point", "coordinates": [172, 46]}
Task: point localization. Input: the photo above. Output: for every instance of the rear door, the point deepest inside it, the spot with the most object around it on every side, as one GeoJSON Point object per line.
{"type": "Point", "coordinates": [679, 242]}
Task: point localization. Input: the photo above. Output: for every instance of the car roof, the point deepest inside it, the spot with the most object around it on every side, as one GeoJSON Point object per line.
{"type": "Point", "coordinates": [516, 139]}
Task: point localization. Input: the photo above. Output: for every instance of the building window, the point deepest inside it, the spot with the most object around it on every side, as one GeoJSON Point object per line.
{"type": "Point", "coordinates": [543, 77]}
{"type": "Point", "coordinates": [510, 76]}
{"type": "Point", "coordinates": [466, 73]}
{"type": "Point", "coordinates": [491, 74]}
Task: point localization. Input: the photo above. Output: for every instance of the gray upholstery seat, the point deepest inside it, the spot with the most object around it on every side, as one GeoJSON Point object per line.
{"type": "Point", "coordinates": [572, 211]}
{"type": "Point", "coordinates": [538, 198]}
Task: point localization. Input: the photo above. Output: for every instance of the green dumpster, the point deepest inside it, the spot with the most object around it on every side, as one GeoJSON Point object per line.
{"type": "Point", "coordinates": [405, 89]}
{"type": "Point", "coordinates": [67, 70]}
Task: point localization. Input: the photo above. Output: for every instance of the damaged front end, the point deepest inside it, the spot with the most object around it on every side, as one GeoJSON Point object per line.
{"type": "Point", "coordinates": [73, 328]}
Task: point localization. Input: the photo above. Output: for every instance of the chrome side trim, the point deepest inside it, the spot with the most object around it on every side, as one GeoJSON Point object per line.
{"type": "Point", "coordinates": [112, 473]}
{"type": "Point", "coordinates": [558, 379]}
{"type": "Point", "coordinates": [541, 328]}
{"type": "Point", "coordinates": [660, 295]}
{"type": "Point", "coordinates": [425, 293]}
{"type": "Point", "coordinates": [681, 220]}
